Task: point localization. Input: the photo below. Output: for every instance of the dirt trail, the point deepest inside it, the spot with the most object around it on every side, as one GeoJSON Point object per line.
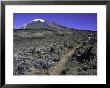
{"type": "Point", "coordinates": [58, 67]}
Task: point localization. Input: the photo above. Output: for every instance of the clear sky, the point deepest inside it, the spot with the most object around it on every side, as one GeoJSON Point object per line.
{"type": "Point", "coordinates": [82, 21]}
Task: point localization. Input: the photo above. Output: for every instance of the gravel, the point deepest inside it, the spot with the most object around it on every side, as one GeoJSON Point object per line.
{"type": "Point", "coordinates": [34, 56]}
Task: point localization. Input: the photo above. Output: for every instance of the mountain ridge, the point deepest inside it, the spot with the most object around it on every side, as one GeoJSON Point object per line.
{"type": "Point", "coordinates": [43, 24]}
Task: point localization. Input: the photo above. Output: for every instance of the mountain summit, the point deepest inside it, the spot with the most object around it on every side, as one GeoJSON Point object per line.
{"type": "Point", "coordinates": [39, 20]}
{"type": "Point", "coordinates": [43, 24]}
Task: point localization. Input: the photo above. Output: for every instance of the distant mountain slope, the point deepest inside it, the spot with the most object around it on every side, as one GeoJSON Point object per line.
{"type": "Point", "coordinates": [39, 28]}
{"type": "Point", "coordinates": [42, 24]}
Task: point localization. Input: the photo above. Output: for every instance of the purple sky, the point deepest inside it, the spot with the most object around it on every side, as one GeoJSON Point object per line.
{"type": "Point", "coordinates": [82, 21]}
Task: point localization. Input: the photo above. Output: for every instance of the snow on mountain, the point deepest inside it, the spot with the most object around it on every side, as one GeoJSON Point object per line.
{"type": "Point", "coordinates": [39, 20]}
{"type": "Point", "coordinates": [43, 24]}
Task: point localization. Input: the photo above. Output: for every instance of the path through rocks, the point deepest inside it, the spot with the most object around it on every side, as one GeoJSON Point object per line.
{"type": "Point", "coordinates": [58, 67]}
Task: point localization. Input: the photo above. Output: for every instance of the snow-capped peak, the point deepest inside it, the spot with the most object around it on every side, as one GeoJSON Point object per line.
{"type": "Point", "coordinates": [39, 20]}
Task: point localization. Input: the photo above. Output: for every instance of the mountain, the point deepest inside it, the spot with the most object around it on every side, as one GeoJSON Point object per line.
{"type": "Point", "coordinates": [40, 45]}
{"type": "Point", "coordinates": [43, 24]}
{"type": "Point", "coordinates": [39, 28]}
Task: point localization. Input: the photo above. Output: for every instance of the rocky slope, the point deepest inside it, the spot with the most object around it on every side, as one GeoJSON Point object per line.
{"type": "Point", "coordinates": [39, 45]}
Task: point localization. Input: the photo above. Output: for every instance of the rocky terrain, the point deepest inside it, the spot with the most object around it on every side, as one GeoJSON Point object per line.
{"type": "Point", "coordinates": [40, 45]}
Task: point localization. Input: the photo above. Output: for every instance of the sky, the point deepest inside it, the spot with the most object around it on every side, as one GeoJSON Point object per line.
{"type": "Point", "coordinates": [81, 21]}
